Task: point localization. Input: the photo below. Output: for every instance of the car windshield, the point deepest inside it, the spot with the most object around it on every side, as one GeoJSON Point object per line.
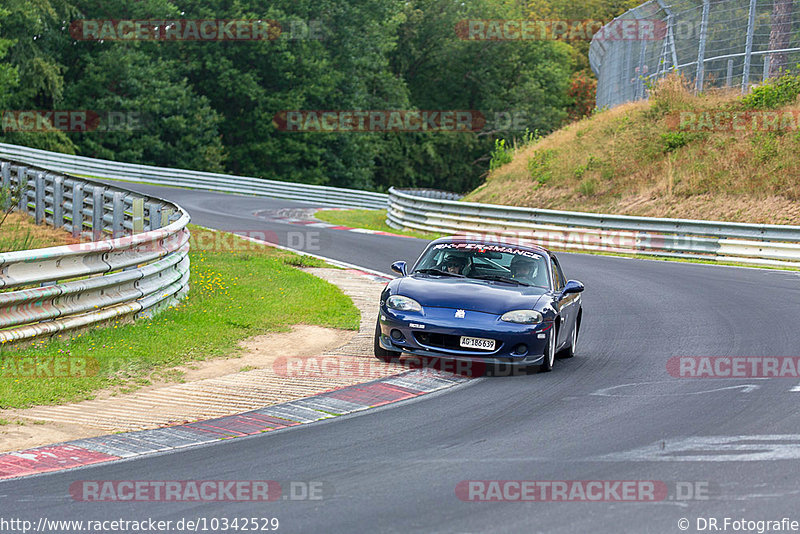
{"type": "Point", "coordinates": [485, 262]}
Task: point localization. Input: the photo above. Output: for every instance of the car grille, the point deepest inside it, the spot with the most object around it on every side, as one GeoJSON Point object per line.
{"type": "Point", "coordinates": [446, 341]}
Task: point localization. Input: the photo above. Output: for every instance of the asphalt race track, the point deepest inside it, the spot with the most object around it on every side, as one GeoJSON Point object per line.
{"type": "Point", "coordinates": [611, 413]}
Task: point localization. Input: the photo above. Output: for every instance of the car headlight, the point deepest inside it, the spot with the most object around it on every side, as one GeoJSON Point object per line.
{"type": "Point", "coordinates": [401, 303]}
{"type": "Point", "coordinates": [522, 317]}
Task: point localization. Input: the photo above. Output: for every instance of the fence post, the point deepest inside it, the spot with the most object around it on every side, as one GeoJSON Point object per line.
{"type": "Point", "coordinates": [748, 47]}
{"type": "Point", "coordinates": [670, 31]}
{"type": "Point", "coordinates": [640, 80]}
{"type": "Point", "coordinates": [77, 209]}
{"type": "Point", "coordinates": [729, 74]}
{"type": "Point", "coordinates": [701, 50]}
{"type": "Point", "coordinates": [766, 68]}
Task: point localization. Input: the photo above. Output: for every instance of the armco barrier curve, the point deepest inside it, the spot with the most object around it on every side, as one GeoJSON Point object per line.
{"type": "Point", "coordinates": [226, 183]}
{"type": "Point", "coordinates": [136, 265]}
{"type": "Point", "coordinates": [757, 244]}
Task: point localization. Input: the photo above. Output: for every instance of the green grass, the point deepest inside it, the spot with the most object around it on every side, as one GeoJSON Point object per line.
{"type": "Point", "coordinates": [235, 294]}
{"type": "Point", "coordinates": [369, 220]}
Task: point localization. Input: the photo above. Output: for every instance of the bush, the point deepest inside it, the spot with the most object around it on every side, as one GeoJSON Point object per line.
{"type": "Point", "coordinates": [500, 155]}
{"type": "Point", "coordinates": [587, 187]}
{"type": "Point", "coordinates": [773, 93]}
{"type": "Point", "coordinates": [539, 165]}
{"type": "Point", "coordinates": [591, 163]}
{"type": "Point", "coordinates": [669, 94]}
{"type": "Point", "coordinates": [765, 147]}
{"type": "Point", "coordinates": [583, 94]}
{"type": "Point", "coordinates": [672, 141]}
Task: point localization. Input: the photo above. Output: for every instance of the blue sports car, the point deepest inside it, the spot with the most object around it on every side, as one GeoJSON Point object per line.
{"type": "Point", "coordinates": [480, 301]}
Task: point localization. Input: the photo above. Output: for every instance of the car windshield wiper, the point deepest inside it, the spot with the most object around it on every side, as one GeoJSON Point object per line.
{"type": "Point", "coordinates": [498, 278]}
{"type": "Point", "coordinates": [438, 272]}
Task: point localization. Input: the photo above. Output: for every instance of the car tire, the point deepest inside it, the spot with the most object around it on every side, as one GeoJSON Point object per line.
{"type": "Point", "coordinates": [569, 352]}
{"type": "Point", "coordinates": [381, 353]}
{"type": "Point", "coordinates": [550, 352]}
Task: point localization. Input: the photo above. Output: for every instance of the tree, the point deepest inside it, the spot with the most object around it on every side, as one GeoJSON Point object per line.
{"type": "Point", "coordinates": [526, 81]}
{"type": "Point", "coordinates": [164, 122]}
{"type": "Point", "coordinates": [780, 35]}
{"type": "Point", "coordinates": [30, 71]}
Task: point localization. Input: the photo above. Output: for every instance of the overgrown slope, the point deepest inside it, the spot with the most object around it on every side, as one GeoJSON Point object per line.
{"type": "Point", "coordinates": [646, 159]}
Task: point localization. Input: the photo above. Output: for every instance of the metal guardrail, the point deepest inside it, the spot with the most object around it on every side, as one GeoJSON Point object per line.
{"type": "Point", "coordinates": [757, 244]}
{"type": "Point", "coordinates": [334, 196]}
{"type": "Point", "coordinates": [137, 263]}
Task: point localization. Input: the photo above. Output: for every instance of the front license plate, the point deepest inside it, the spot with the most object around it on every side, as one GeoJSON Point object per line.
{"type": "Point", "coordinates": [477, 343]}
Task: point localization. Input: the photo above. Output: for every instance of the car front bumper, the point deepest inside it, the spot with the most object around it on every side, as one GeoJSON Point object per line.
{"type": "Point", "coordinates": [436, 333]}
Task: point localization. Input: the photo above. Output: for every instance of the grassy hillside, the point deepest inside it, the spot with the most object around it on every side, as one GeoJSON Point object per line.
{"type": "Point", "coordinates": [637, 159]}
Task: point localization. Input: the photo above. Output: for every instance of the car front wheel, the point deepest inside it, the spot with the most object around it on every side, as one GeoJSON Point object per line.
{"type": "Point", "coordinates": [549, 352]}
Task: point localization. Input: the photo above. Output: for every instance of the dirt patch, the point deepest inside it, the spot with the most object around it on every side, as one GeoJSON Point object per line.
{"type": "Point", "coordinates": [259, 352]}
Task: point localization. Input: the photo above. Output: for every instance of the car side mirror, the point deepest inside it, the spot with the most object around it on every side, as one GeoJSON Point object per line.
{"type": "Point", "coordinates": [399, 267]}
{"type": "Point", "coordinates": [572, 286]}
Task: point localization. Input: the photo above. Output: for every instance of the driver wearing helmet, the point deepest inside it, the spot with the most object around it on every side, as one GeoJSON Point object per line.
{"type": "Point", "coordinates": [524, 268]}
{"type": "Point", "coordinates": [455, 264]}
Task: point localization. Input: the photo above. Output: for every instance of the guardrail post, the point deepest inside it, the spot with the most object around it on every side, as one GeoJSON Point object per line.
{"type": "Point", "coordinates": [138, 215]}
{"type": "Point", "coordinates": [77, 209]}
{"type": "Point", "coordinates": [97, 212]}
{"type": "Point", "coordinates": [38, 208]}
{"type": "Point", "coordinates": [22, 185]}
{"type": "Point", "coordinates": [58, 201]}
{"type": "Point", "coordinates": [5, 172]}
{"type": "Point", "coordinates": [22, 178]}
{"type": "Point", "coordinates": [154, 214]}
{"type": "Point", "coordinates": [166, 213]}
{"type": "Point", "coordinates": [118, 217]}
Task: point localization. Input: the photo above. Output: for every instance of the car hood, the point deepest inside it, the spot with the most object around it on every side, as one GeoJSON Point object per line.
{"type": "Point", "coordinates": [469, 294]}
